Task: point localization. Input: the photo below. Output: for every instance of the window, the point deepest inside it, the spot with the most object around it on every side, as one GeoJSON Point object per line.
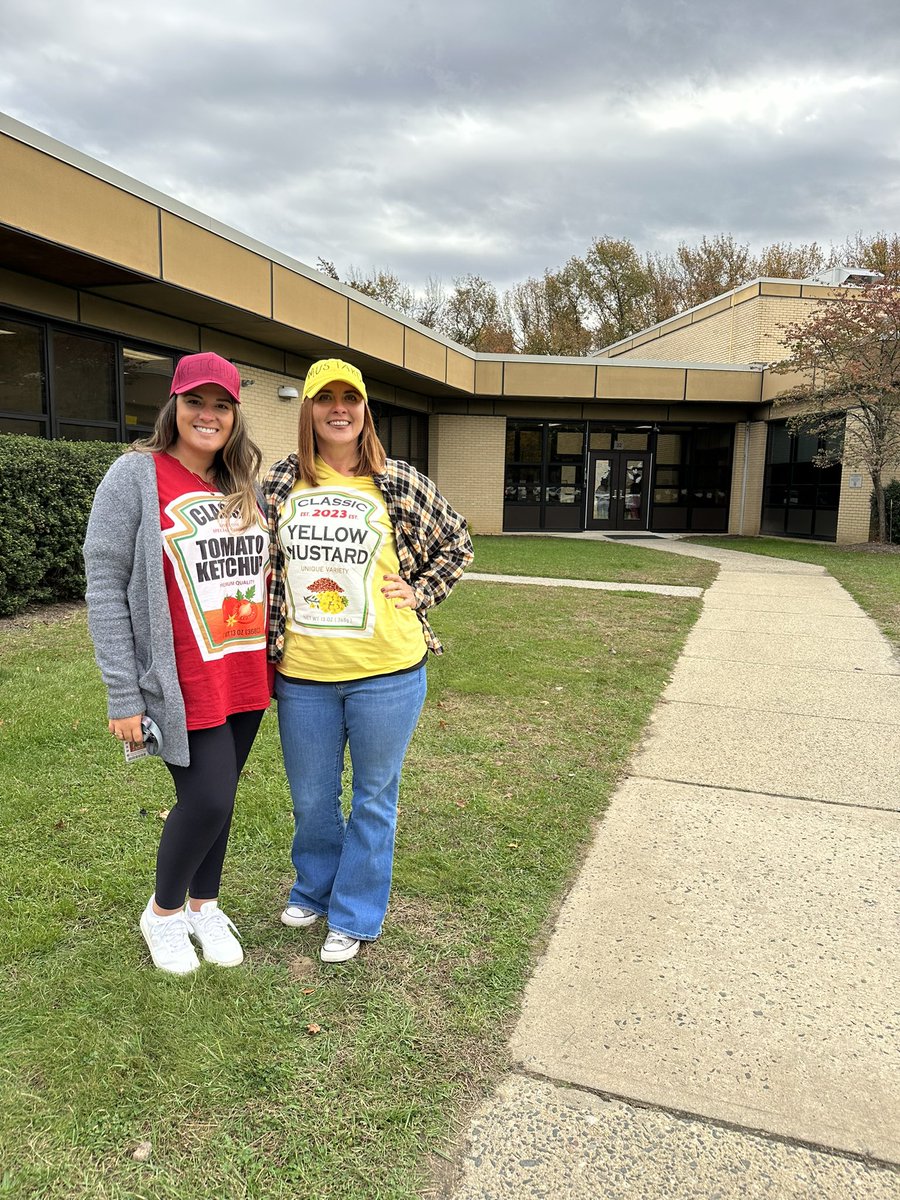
{"type": "Point", "coordinates": [59, 381]}
{"type": "Point", "coordinates": [84, 377]}
{"type": "Point", "coordinates": [88, 433]}
{"type": "Point", "coordinates": [544, 481]}
{"type": "Point", "coordinates": [22, 379]}
{"type": "Point", "coordinates": [692, 477]}
{"type": "Point", "coordinates": [799, 498]}
{"type": "Point", "coordinates": [403, 434]}
{"type": "Point", "coordinates": [524, 462]}
{"type": "Point", "coordinates": [16, 425]}
{"type": "Point", "coordinates": [565, 464]}
{"type": "Point", "coordinates": [636, 442]}
{"type": "Point", "coordinates": [146, 377]}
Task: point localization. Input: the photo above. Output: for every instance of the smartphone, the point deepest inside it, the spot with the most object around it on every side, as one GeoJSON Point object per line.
{"type": "Point", "coordinates": [151, 744]}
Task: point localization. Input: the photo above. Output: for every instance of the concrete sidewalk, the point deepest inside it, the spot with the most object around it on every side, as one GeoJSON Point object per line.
{"type": "Point", "coordinates": [716, 1012]}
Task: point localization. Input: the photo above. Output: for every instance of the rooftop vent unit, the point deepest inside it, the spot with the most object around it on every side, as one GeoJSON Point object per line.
{"type": "Point", "coordinates": [845, 277]}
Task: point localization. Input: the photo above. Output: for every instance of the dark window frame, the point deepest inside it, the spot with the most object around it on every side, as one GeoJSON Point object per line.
{"type": "Point", "coordinates": [786, 483]}
{"type": "Point", "coordinates": [704, 489]}
{"type": "Point", "coordinates": [43, 417]}
{"type": "Point", "coordinates": [535, 468]}
{"type": "Point", "coordinates": [384, 415]}
{"type": "Point", "coordinates": [53, 424]}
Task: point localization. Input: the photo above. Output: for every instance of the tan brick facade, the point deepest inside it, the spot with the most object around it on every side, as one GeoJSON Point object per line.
{"type": "Point", "coordinates": [466, 460]}
{"type": "Point", "coordinates": [271, 420]}
{"type": "Point", "coordinates": [749, 331]}
{"type": "Point", "coordinates": [854, 514]}
{"type": "Point", "coordinates": [855, 519]}
{"type": "Point", "coordinates": [747, 488]}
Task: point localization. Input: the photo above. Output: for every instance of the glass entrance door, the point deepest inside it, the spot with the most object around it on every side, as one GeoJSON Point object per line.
{"type": "Point", "coordinates": [618, 486]}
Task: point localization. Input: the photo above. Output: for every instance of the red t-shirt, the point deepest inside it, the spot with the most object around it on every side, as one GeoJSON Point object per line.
{"type": "Point", "coordinates": [216, 580]}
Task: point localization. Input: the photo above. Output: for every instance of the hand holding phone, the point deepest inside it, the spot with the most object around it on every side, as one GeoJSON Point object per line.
{"type": "Point", "coordinates": [150, 743]}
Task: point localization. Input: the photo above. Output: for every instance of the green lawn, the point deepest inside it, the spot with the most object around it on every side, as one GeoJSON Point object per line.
{"type": "Point", "coordinates": [285, 1078]}
{"type": "Point", "coordinates": [571, 558]}
{"type": "Point", "coordinates": [871, 577]}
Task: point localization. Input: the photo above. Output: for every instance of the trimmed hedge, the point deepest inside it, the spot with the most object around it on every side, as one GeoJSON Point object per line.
{"type": "Point", "coordinates": [891, 492]}
{"type": "Point", "coordinates": [46, 491]}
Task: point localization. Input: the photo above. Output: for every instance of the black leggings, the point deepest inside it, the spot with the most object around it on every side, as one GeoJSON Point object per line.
{"type": "Point", "coordinates": [195, 835]}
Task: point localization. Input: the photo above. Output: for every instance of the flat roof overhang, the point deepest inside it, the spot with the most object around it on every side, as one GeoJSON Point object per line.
{"type": "Point", "coordinates": [71, 221]}
{"type": "Point", "coordinates": [38, 258]}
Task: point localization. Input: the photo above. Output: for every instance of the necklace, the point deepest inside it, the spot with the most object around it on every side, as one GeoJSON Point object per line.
{"type": "Point", "coordinates": [208, 484]}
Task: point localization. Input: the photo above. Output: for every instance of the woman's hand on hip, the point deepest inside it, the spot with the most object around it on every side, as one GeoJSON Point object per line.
{"type": "Point", "coordinates": [127, 729]}
{"type": "Point", "coordinates": [397, 589]}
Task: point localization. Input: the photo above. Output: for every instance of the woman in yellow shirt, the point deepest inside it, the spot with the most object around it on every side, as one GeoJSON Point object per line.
{"type": "Point", "coordinates": [362, 546]}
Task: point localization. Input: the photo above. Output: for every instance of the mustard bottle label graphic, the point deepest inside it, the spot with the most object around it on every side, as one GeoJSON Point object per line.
{"type": "Point", "coordinates": [331, 543]}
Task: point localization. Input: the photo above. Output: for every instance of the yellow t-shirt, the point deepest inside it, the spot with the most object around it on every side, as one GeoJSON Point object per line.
{"type": "Point", "coordinates": [338, 544]}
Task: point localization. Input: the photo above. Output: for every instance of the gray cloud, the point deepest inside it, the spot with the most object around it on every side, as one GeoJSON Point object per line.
{"type": "Point", "coordinates": [439, 140]}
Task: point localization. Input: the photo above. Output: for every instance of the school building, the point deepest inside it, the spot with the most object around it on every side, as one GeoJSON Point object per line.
{"type": "Point", "coordinates": [105, 282]}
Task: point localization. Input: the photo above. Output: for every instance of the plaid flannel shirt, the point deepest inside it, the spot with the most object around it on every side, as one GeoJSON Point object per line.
{"type": "Point", "coordinates": [433, 543]}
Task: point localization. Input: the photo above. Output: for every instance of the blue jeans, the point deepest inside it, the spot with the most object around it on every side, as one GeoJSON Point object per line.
{"type": "Point", "coordinates": [343, 866]}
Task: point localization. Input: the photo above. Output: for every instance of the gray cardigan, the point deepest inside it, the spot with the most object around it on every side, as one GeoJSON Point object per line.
{"type": "Point", "coordinates": [128, 609]}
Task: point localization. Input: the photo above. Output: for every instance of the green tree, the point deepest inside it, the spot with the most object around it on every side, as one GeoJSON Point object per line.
{"type": "Point", "coordinates": [849, 349]}
{"type": "Point", "coordinates": [615, 289]}
{"type": "Point", "coordinates": [878, 252]}
{"type": "Point", "coordinates": [475, 316]}
{"type": "Point", "coordinates": [663, 297]}
{"type": "Point", "coordinates": [431, 305]}
{"type": "Point", "coordinates": [327, 267]}
{"type": "Point", "coordinates": [784, 260]}
{"type": "Point", "coordinates": [427, 307]}
{"type": "Point", "coordinates": [546, 315]}
{"type": "Point", "coordinates": [385, 286]}
{"type": "Point", "coordinates": [716, 265]}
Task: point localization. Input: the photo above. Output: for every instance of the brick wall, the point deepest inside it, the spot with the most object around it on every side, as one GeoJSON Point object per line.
{"type": "Point", "coordinates": [272, 422]}
{"type": "Point", "coordinates": [854, 515]}
{"type": "Point", "coordinates": [749, 332]}
{"type": "Point", "coordinates": [775, 312]}
{"type": "Point", "coordinates": [466, 457]}
{"type": "Point", "coordinates": [466, 454]}
{"type": "Point", "coordinates": [710, 340]}
{"type": "Point", "coordinates": [751, 491]}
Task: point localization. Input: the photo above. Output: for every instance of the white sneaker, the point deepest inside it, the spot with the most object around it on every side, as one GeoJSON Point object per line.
{"type": "Point", "coordinates": [168, 940]}
{"type": "Point", "coordinates": [213, 930]}
{"type": "Point", "coordinates": [339, 947]}
{"type": "Point", "coordinates": [295, 915]}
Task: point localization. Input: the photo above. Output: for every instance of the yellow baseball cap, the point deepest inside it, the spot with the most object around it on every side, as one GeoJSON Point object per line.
{"type": "Point", "coordinates": [332, 370]}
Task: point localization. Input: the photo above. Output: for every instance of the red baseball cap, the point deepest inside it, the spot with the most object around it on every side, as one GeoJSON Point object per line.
{"type": "Point", "coordinates": [196, 369]}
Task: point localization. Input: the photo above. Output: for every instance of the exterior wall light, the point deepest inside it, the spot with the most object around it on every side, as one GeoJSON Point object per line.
{"type": "Point", "coordinates": [288, 393]}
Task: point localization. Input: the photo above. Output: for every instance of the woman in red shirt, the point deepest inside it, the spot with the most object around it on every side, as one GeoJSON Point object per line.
{"type": "Point", "coordinates": [177, 560]}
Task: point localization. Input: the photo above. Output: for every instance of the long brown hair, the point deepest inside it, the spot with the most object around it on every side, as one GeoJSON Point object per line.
{"type": "Point", "coordinates": [235, 466]}
{"type": "Point", "coordinates": [372, 454]}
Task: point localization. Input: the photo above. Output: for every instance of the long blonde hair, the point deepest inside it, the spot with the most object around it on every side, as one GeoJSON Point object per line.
{"type": "Point", "coordinates": [235, 466]}
{"type": "Point", "coordinates": [372, 455]}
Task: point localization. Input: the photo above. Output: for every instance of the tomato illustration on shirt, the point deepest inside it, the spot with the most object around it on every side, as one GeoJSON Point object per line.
{"type": "Point", "coordinates": [240, 609]}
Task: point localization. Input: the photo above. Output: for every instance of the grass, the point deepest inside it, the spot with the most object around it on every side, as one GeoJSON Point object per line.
{"type": "Point", "coordinates": [871, 578]}
{"type": "Point", "coordinates": [571, 558]}
{"type": "Point", "coordinates": [286, 1077]}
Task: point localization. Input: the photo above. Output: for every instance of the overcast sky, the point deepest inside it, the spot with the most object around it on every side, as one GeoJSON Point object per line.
{"type": "Point", "coordinates": [443, 138]}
